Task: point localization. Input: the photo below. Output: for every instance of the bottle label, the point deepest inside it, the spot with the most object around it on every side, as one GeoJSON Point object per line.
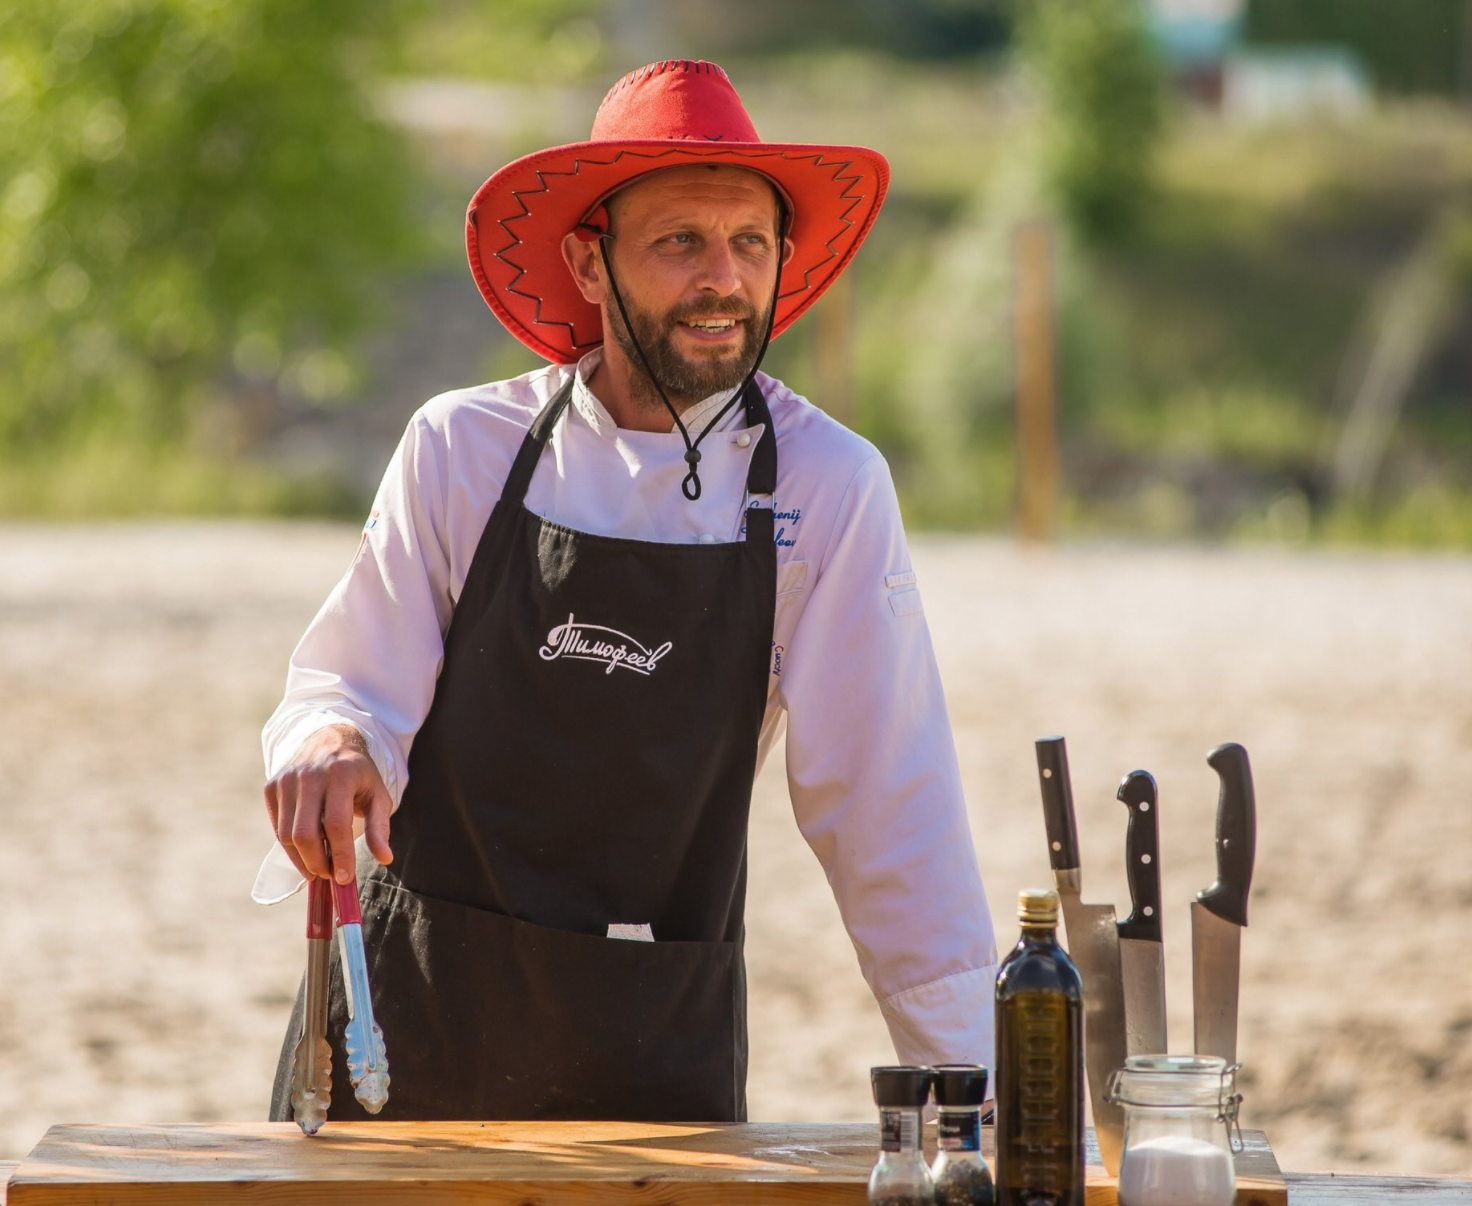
{"type": "Point", "coordinates": [899, 1130]}
{"type": "Point", "coordinates": [959, 1132]}
{"type": "Point", "coordinates": [1044, 1099]}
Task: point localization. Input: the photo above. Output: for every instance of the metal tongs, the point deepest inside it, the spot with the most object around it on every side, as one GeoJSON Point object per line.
{"type": "Point", "coordinates": [311, 1076]}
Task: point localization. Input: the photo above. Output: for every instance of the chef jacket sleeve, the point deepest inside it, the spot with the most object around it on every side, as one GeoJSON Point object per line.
{"type": "Point", "coordinates": [872, 772]}
{"type": "Point", "coordinates": [371, 656]}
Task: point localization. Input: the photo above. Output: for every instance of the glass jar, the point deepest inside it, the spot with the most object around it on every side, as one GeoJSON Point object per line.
{"type": "Point", "coordinates": [1179, 1115]}
{"type": "Point", "coordinates": [900, 1177]}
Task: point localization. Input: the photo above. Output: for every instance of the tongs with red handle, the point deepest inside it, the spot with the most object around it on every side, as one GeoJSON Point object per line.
{"type": "Point", "coordinates": [311, 1074]}
{"type": "Point", "coordinates": [311, 1085]}
{"type": "Point", "coordinates": [367, 1061]}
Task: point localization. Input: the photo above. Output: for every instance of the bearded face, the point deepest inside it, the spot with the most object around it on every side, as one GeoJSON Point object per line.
{"type": "Point", "coordinates": [688, 373]}
{"type": "Point", "coordinates": [694, 253]}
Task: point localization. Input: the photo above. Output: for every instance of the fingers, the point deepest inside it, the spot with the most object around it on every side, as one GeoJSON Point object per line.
{"type": "Point", "coordinates": [312, 805]}
{"type": "Point", "coordinates": [306, 821]}
{"type": "Point", "coordinates": [281, 804]}
{"type": "Point", "coordinates": [337, 819]}
{"type": "Point", "coordinates": [376, 821]}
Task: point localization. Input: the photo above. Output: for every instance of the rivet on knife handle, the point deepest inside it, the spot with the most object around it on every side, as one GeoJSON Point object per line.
{"type": "Point", "coordinates": [1236, 835]}
{"type": "Point", "coordinates": [367, 1061]}
{"type": "Point", "coordinates": [1142, 857]}
{"type": "Point", "coordinates": [1057, 803]}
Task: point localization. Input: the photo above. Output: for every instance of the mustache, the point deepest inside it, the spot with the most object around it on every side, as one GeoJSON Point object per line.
{"type": "Point", "coordinates": [725, 307]}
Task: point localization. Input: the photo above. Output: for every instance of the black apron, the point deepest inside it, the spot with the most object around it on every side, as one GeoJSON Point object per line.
{"type": "Point", "coordinates": [587, 760]}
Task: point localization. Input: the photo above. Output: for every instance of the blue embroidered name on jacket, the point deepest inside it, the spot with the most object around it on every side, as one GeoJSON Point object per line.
{"type": "Point", "coordinates": [783, 518]}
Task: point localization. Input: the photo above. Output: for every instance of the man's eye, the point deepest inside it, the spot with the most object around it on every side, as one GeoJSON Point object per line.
{"type": "Point", "coordinates": [683, 238]}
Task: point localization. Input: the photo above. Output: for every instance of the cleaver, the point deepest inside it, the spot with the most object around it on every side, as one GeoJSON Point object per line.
{"type": "Point", "coordinates": [1219, 913]}
{"type": "Point", "coordinates": [1093, 945]}
{"type": "Point", "coordinates": [1141, 934]}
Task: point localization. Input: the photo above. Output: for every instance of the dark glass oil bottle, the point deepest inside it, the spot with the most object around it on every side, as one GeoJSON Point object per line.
{"type": "Point", "coordinates": [1039, 1065]}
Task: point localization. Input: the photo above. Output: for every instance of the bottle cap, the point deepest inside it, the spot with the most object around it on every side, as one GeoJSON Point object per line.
{"type": "Point", "coordinates": [904, 1087]}
{"type": "Point", "coordinates": [960, 1084]}
{"type": "Point", "coordinates": [1037, 906]}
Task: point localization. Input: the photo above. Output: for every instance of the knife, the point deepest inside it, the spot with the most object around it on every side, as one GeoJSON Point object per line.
{"type": "Point", "coordinates": [367, 1061]}
{"type": "Point", "coordinates": [311, 1071]}
{"type": "Point", "coordinates": [1141, 934]}
{"type": "Point", "coordinates": [1093, 945]}
{"type": "Point", "coordinates": [1219, 913]}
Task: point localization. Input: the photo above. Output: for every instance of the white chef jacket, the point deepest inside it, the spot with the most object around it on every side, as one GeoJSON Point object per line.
{"type": "Point", "coordinates": [871, 765]}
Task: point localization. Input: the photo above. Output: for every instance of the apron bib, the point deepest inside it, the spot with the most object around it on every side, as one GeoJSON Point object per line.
{"type": "Point", "coordinates": [587, 760]}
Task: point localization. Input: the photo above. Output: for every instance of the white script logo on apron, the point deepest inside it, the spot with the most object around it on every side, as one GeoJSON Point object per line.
{"type": "Point", "coordinates": [595, 643]}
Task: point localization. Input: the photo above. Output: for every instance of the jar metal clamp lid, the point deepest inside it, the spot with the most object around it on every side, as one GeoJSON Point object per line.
{"type": "Point", "coordinates": [1181, 1082]}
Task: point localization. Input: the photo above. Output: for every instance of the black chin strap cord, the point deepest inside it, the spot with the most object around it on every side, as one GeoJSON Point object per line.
{"type": "Point", "coordinates": [690, 486]}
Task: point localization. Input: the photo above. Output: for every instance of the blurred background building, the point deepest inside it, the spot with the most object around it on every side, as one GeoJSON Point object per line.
{"type": "Point", "coordinates": [231, 262]}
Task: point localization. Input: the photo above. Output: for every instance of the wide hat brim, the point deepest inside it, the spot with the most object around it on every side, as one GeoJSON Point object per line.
{"type": "Point", "coordinates": [517, 220]}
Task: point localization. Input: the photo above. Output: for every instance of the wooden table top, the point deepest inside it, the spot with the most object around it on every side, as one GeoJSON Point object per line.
{"type": "Point", "coordinates": [524, 1164]}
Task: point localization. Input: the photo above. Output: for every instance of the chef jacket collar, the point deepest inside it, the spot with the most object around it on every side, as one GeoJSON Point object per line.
{"type": "Point", "coordinates": [598, 418]}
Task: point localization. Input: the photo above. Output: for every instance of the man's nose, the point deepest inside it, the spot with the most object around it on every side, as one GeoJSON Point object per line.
{"type": "Point", "coordinates": [718, 270]}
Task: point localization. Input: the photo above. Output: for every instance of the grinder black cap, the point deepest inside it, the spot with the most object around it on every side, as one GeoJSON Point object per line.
{"type": "Point", "coordinates": [960, 1084]}
{"type": "Point", "coordinates": [901, 1088]}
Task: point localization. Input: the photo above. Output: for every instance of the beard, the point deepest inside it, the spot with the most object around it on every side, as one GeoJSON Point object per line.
{"type": "Point", "coordinates": [685, 379]}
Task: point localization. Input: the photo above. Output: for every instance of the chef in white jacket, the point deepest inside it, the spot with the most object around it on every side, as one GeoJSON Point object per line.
{"type": "Point", "coordinates": [587, 603]}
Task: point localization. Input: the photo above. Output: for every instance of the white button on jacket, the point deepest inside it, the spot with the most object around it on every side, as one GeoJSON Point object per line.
{"type": "Point", "coordinates": [871, 765]}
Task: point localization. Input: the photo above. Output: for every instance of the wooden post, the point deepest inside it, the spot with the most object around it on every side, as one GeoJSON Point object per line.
{"type": "Point", "coordinates": [1037, 435]}
{"type": "Point", "coordinates": [833, 327]}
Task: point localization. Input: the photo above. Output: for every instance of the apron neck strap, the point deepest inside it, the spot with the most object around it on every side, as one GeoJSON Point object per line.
{"type": "Point", "coordinates": [520, 477]}
{"type": "Point", "coordinates": [761, 475]}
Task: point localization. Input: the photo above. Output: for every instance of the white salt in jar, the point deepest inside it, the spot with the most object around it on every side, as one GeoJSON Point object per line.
{"type": "Point", "coordinates": [1179, 1111]}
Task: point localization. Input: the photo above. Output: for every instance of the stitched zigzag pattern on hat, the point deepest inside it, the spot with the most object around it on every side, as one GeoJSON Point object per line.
{"type": "Point", "coordinates": [854, 199]}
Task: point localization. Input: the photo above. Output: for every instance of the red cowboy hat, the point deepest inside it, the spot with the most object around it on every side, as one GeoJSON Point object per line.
{"type": "Point", "coordinates": [676, 112]}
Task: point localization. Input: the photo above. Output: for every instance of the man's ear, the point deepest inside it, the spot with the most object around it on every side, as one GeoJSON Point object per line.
{"type": "Point", "coordinates": [788, 247]}
{"type": "Point", "coordinates": [585, 264]}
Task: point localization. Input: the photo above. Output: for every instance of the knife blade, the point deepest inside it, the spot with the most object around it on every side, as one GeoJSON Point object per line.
{"type": "Point", "coordinates": [1093, 945]}
{"type": "Point", "coordinates": [1142, 934]}
{"type": "Point", "coordinates": [311, 1071]}
{"type": "Point", "coordinates": [367, 1060]}
{"type": "Point", "coordinates": [1219, 913]}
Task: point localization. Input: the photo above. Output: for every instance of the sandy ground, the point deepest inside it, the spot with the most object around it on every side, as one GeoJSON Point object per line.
{"type": "Point", "coordinates": [138, 982]}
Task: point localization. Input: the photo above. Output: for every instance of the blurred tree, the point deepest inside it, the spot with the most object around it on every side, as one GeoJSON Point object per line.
{"type": "Point", "coordinates": [1103, 86]}
{"type": "Point", "coordinates": [920, 29]}
{"type": "Point", "coordinates": [1424, 46]}
{"type": "Point", "coordinates": [541, 41]}
{"type": "Point", "coordinates": [188, 190]}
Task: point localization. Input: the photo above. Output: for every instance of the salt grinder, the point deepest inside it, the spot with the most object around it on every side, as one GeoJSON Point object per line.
{"type": "Point", "coordinates": [900, 1178]}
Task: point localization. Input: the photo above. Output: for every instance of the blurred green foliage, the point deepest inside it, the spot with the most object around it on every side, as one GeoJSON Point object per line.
{"type": "Point", "coordinates": [1420, 46]}
{"type": "Point", "coordinates": [929, 30]}
{"type": "Point", "coordinates": [201, 217]}
{"type": "Point", "coordinates": [530, 41]}
{"type": "Point", "coordinates": [1104, 88]}
{"type": "Point", "coordinates": [195, 198]}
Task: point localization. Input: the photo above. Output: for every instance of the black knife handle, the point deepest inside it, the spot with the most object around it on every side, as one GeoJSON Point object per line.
{"type": "Point", "coordinates": [1236, 835]}
{"type": "Point", "coordinates": [1057, 803]}
{"type": "Point", "coordinates": [1142, 857]}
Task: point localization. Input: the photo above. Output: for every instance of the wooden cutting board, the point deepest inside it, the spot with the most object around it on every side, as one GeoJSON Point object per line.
{"type": "Point", "coordinates": [509, 1163]}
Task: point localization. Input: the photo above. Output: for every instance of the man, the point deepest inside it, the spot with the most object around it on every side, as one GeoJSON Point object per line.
{"type": "Point", "coordinates": [585, 605]}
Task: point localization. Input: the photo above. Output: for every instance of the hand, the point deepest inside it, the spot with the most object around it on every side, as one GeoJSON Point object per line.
{"type": "Point", "coordinates": [329, 780]}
